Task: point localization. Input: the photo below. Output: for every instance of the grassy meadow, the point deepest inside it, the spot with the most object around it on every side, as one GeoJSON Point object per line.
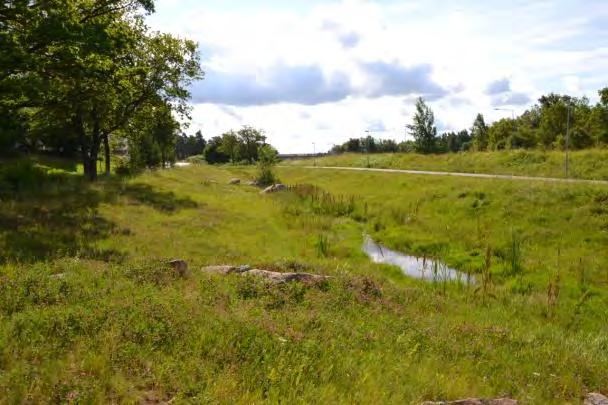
{"type": "Point", "coordinates": [584, 164]}
{"type": "Point", "coordinates": [90, 313]}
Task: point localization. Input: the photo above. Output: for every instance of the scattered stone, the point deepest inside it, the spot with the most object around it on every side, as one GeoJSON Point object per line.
{"type": "Point", "coordinates": [475, 401]}
{"type": "Point", "coordinates": [234, 181]}
{"type": "Point", "coordinates": [594, 398]}
{"type": "Point", "coordinates": [179, 266]}
{"type": "Point", "coordinates": [274, 188]}
{"type": "Point", "coordinates": [253, 183]}
{"type": "Point", "coordinates": [58, 275]}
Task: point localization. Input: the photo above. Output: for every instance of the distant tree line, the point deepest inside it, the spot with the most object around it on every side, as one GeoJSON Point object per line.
{"type": "Point", "coordinates": [88, 78]}
{"type": "Point", "coordinates": [544, 126]}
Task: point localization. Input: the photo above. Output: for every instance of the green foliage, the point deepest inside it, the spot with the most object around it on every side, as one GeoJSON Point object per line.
{"type": "Point", "coordinates": [187, 146]}
{"type": "Point", "coordinates": [423, 128]}
{"type": "Point", "coordinates": [83, 71]}
{"type": "Point", "coordinates": [213, 152]}
{"type": "Point", "coordinates": [267, 159]}
{"type": "Point", "coordinates": [479, 133]}
{"type": "Point", "coordinates": [235, 146]}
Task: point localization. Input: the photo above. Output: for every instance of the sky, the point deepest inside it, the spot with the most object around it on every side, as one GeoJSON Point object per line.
{"type": "Point", "coordinates": [311, 71]}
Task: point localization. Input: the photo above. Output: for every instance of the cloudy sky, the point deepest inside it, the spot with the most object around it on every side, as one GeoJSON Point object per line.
{"type": "Point", "coordinates": [323, 71]}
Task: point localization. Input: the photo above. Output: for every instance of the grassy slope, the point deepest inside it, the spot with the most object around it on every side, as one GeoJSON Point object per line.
{"type": "Point", "coordinates": [587, 164]}
{"type": "Point", "coordinates": [120, 327]}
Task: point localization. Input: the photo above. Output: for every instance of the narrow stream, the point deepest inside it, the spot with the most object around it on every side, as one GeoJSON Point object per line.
{"type": "Point", "coordinates": [425, 269]}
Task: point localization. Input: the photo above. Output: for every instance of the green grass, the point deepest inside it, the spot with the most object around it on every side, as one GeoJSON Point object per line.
{"type": "Point", "coordinates": [119, 326]}
{"type": "Point", "coordinates": [585, 164]}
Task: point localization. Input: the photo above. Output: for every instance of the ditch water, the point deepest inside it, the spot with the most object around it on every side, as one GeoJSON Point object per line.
{"type": "Point", "coordinates": [417, 267]}
{"type": "Point", "coordinates": [182, 164]}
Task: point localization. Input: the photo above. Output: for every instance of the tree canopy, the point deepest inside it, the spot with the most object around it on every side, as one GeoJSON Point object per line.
{"type": "Point", "coordinates": [76, 72]}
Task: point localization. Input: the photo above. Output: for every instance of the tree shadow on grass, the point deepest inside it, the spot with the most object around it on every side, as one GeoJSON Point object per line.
{"type": "Point", "coordinates": [145, 194]}
{"type": "Point", "coordinates": [56, 219]}
{"type": "Point", "coordinates": [61, 218]}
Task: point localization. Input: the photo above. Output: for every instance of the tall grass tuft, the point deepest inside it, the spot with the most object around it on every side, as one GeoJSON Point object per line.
{"type": "Point", "coordinates": [322, 246]}
{"type": "Point", "coordinates": [324, 203]}
{"type": "Point", "coordinates": [515, 266]}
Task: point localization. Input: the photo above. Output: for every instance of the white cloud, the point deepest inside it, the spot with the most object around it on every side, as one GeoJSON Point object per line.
{"type": "Point", "coordinates": [311, 71]}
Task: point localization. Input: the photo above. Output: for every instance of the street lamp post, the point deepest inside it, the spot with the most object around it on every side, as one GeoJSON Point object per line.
{"type": "Point", "coordinates": [567, 163]}
{"type": "Point", "coordinates": [367, 131]}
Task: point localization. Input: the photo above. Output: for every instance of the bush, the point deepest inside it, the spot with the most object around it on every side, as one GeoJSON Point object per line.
{"type": "Point", "coordinates": [268, 157]}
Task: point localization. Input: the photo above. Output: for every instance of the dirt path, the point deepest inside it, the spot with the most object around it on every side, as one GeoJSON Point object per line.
{"type": "Point", "coordinates": [458, 174]}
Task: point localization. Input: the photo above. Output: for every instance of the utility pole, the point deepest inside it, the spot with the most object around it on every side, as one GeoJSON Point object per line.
{"type": "Point", "coordinates": [314, 154]}
{"type": "Point", "coordinates": [567, 164]}
{"type": "Point", "coordinates": [367, 131]}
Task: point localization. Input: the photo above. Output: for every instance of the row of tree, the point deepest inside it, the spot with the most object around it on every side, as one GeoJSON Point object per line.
{"type": "Point", "coordinates": [82, 77]}
{"type": "Point", "coordinates": [555, 120]}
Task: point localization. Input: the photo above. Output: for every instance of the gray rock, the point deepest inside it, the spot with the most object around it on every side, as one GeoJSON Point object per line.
{"type": "Point", "coordinates": [475, 401]}
{"type": "Point", "coordinates": [242, 269]}
{"type": "Point", "coordinates": [253, 183]}
{"type": "Point", "coordinates": [594, 398]}
{"type": "Point", "coordinates": [234, 181]}
{"type": "Point", "coordinates": [179, 266]}
{"type": "Point", "coordinates": [274, 188]}
{"type": "Point", "coordinates": [279, 278]}
{"type": "Point", "coordinates": [219, 269]}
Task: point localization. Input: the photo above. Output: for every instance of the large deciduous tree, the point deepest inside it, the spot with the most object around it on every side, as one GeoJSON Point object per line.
{"type": "Point", "coordinates": [89, 67]}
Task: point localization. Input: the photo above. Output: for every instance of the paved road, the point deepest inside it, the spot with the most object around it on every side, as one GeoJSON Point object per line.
{"type": "Point", "coordinates": [457, 174]}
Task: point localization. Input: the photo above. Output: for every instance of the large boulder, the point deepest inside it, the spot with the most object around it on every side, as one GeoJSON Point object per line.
{"type": "Point", "coordinates": [234, 181]}
{"type": "Point", "coordinates": [475, 401]}
{"type": "Point", "coordinates": [594, 398]}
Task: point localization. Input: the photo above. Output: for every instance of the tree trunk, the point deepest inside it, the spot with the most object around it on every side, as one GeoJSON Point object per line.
{"type": "Point", "coordinates": [86, 149]}
{"type": "Point", "coordinates": [94, 149]}
{"type": "Point", "coordinates": [106, 149]}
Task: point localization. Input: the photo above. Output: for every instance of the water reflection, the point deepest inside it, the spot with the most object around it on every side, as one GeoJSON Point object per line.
{"type": "Point", "coordinates": [422, 268]}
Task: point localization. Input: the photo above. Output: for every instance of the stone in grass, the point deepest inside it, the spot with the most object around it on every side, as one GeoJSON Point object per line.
{"type": "Point", "coordinates": [280, 278]}
{"type": "Point", "coordinates": [594, 398]}
{"type": "Point", "coordinates": [475, 401]}
{"type": "Point", "coordinates": [179, 266]}
{"type": "Point", "coordinates": [273, 276]}
{"type": "Point", "coordinates": [234, 181]}
{"type": "Point", "coordinates": [253, 183]}
{"type": "Point", "coordinates": [274, 188]}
